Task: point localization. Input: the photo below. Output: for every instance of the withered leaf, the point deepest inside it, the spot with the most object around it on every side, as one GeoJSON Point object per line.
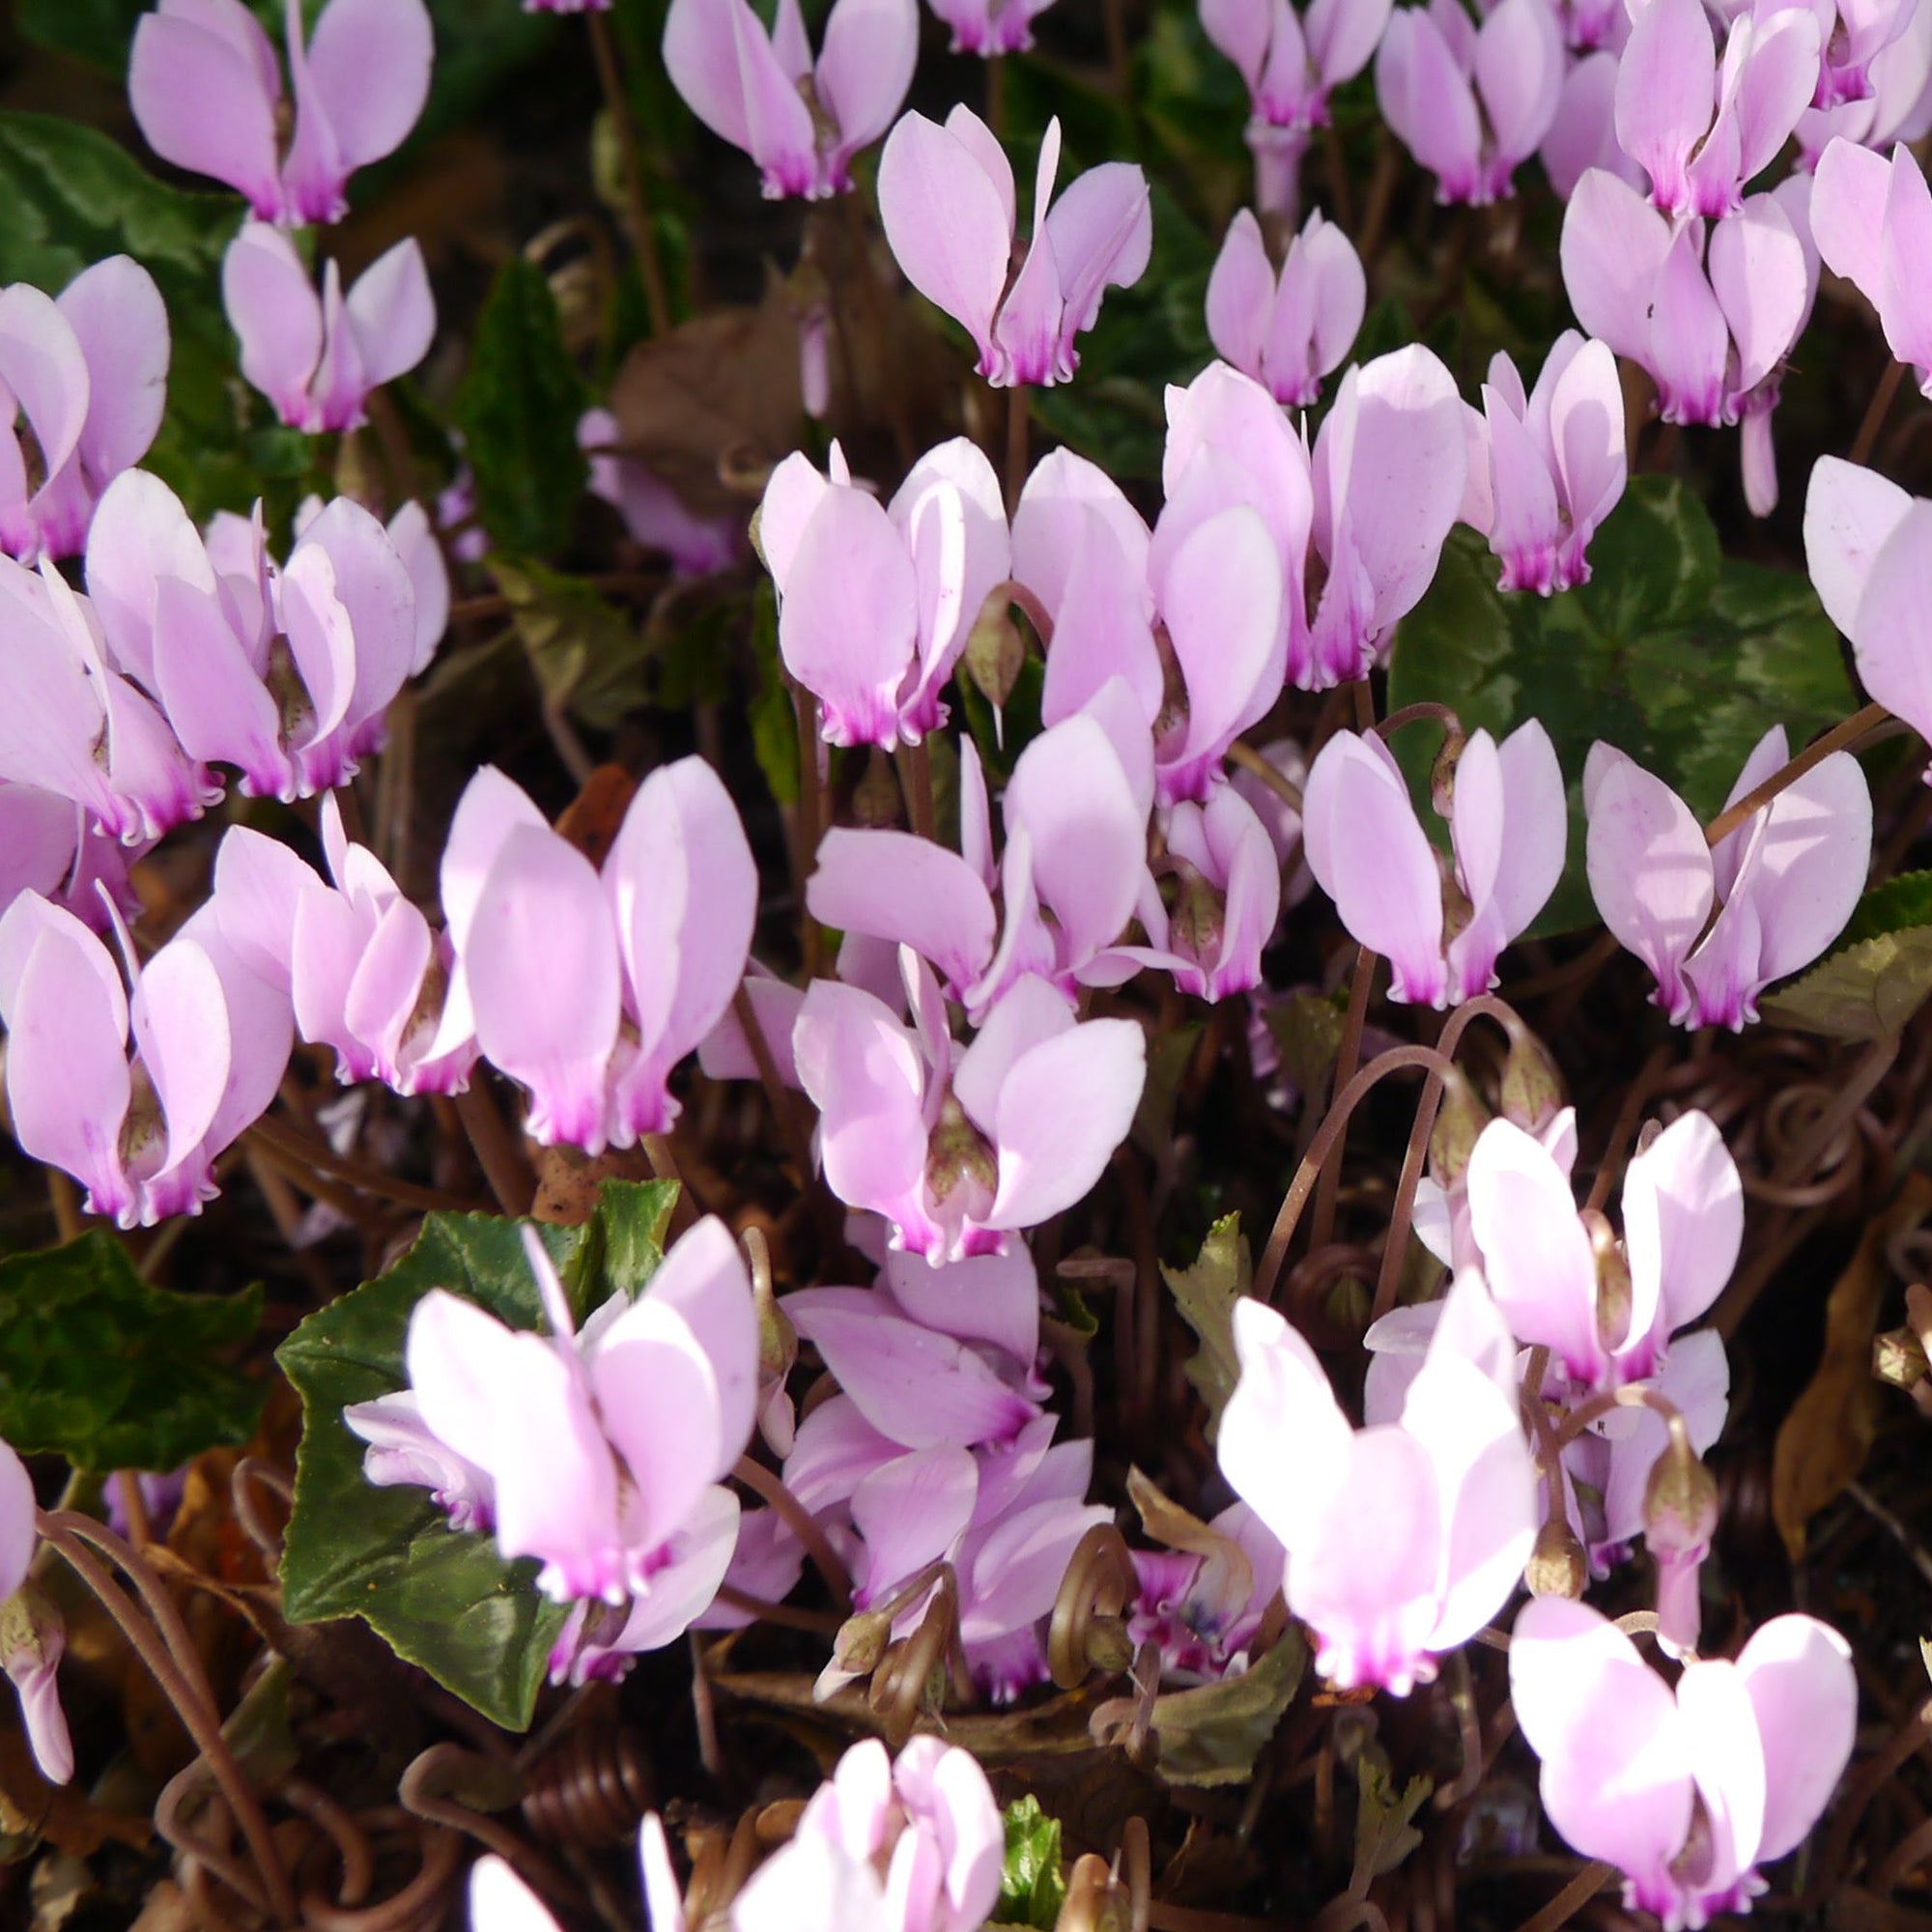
{"type": "Point", "coordinates": [717, 398]}
{"type": "Point", "coordinates": [1823, 1440]}
{"type": "Point", "coordinates": [1385, 1832]}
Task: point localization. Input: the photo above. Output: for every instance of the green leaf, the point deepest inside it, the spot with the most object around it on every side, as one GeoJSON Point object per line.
{"type": "Point", "coordinates": [774, 723]}
{"type": "Point", "coordinates": [1214, 1734]}
{"type": "Point", "coordinates": [1032, 1886]}
{"type": "Point", "coordinates": [588, 656]}
{"type": "Point", "coordinates": [1386, 1831]}
{"type": "Point", "coordinates": [1206, 1295]}
{"type": "Point", "coordinates": [446, 1602]}
{"type": "Point", "coordinates": [94, 31]}
{"type": "Point", "coordinates": [1673, 654]}
{"type": "Point", "coordinates": [1878, 975]}
{"type": "Point", "coordinates": [518, 409]}
{"type": "Point", "coordinates": [113, 1372]}
{"type": "Point", "coordinates": [72, 198]}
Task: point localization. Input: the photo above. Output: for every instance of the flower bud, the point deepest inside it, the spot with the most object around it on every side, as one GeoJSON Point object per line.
{"type": "Point", "coordinates": [957, 1152]}
{"type": "Point", "coordinates": [1532, 1089]}
{"type": "Point", "coordinates": [1459, 1123]}
{"type": "Point", "coordinates": [1898, 1357]}
{"type": "Point", "coordinates": [1679, 1516]}
{"type": "Point", "coordinates": [862, 1641]}
{"type": "Point", "coordinates": [995, 652]}
{"type": "Point", "coordinates": [32, 1638]}
{"type": "Point", "coordinates": [1614, 1298]}
{"type": "Point", "coordinates": [1557, 1566]}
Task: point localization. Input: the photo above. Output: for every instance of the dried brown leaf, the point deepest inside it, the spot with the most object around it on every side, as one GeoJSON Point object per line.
{"type": "Point", "coordinates": [1825, 1438]}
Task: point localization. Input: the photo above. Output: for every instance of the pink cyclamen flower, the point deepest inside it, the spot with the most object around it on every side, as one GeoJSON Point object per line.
{"type": "Point", "coordinates": [86, 372]}
{"type": "Point", "coordinates": [947, 199]}
{"type": "Point", "coordinates": [316, 357]}
{"type": "Point", "coordinates": [1691, 1789]}
{"type": "Point", "coordinates": [1853, 36]}
{"type": "Point", "coordinates": [1897, 106]}
{"type": "Point", "coordinates": [606, 1448]}
{"type": "Point", "coordinates": [875, 604]}
{"type": "Point", "coordinates": [924, 1823]}
{"type": "Point", "coordinates": [1292, 63]}
{"type": "Point", "coordinates": [1872, 222]}
{"type": "Point", "coordinates": [1440, 920]}
{"type": "Point", "coordinates": [1390, 473]}
{"type": "Point", "coordinates": [990, 27]}
{"type": "Point", "coordinates": [1204, 1599]}
{"type": "Point", "coordinates": [1546, 469]}
{"type": "Point", "coordinates": [283, 672]}
{"type": "Point", "coordinates": [1471, 103]}
{"type": "Point", "coordinates": [1403, 1539]}
{"type": "Point", "coordinates": [1286, 331]}
{"type": "Point", "coordinates": [652, 511]}
{"type": "Point", "coordinates": [959, 1149]}
{"type": "Point", "coordinates": [762, 91]}
{"type": "Point", "coordinates": [1711, 326]}
{"type": "Point", "coordinates": [1865, 545]}
{"type": "Point", "coordinates": [1071, 876]}
{"type": "Point", "coordinates": [48, 847]}
{"type": "Point", "coordinates": [1606, 1313]}
{"type": "Point", "coordinates": [588, 988]}
{"type": "Point", "coordinates": [363, 970]}
{"type": "Point", "coordinates": [206, 86]}
{"type": "Point", "coordinates": [1782, 883]}
{"type": "Point", "coordinates": [1701, 133]}
{"type": "Point", "coordinates": [141, 1134]}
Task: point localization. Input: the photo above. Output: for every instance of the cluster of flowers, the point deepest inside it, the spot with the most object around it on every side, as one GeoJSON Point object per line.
{"type": "Point", "coordinates": [1544, 1415]}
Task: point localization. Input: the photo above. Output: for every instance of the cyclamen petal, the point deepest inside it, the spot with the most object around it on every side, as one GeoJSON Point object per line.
{"type": "Point", "coordinates": [205, 85]}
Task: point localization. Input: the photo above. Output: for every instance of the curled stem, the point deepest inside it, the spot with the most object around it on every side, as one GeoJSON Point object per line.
{"type": "Point", "coordinates": [1331, 1130]}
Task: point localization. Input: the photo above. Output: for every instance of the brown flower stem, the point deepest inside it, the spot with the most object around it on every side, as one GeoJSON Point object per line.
{"type": "Point", "coordinates": [610, 76]}
{"type": "Point", "coordinates": [1347, 1058]}
{"type": "Point", "coordinates": [1876, 412]}
{"type": "Point", "coordinates": [768, 1489]}
{"type": "Point", "coordinates": [811, 815]}
{"type": "Point", "coordinates": [1840, 735]}
{"type": "Point", "coordinates": [496, 1148]}
{"type": "Point", "coordinates": [1243, 753]}
{"type": "Point", "coordinates": [64, 1198]}
{"type": "Point", "coordinates": [1401, 1217]}
{"type": "Point", "coordinates": [1019, 416]}
{"type": "Point", "coordinates": [1624, 1128]}
{"type": "Point", "coordinates": [304, 1151]}
{"type": "Point", "coordinates": [1633, 1395]}
{"type": "Point", "coordinates": [914, 764]}
{"type": "Point", "coordinates": [1330, 1131]}
{"type": "Point", "coordinates": [798, 1149]}
{"type": "Point", "coordinates": [1575, 1896]}
{"type": "Point", "coordinates": [193, 1703]}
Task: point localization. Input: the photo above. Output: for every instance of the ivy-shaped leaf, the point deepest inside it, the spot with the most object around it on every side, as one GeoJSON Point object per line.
{"type": "Point", "coordinates": [518, 409]}
{"type": "Point", "coordinates": [115, 1374]}
{"type": "Point", "coordinates": [446, 1602]}
{"type": "Point", "coordinates": [1878, 975]}
{"type": "Point", "coordinates": [1674, 654]}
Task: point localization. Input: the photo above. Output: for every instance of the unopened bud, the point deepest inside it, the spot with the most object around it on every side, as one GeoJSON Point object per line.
{"type": "Point", "coordinates": [1460, 1121]}
{"type": "Point", "coordinates": [1198, 924]}
{"type": "Point", "coordinates": [1680, 1504]}
{"type": "Point", "coordinates": [1557, 1566]}
{"type": "Point", "coordinates": [957, 1152]}
{"type": "Point", "coordinates": [1532, 1089]}
{"type": "Point", "coordinates": [1615, 1299]}
{"type": "Point", "coordinates": [33, 1636]}
{"type": "Point", "coordinates": [995, 652]}
{"type": "Point", "coordinates": [1350, 1304]}
{"type": "Point", "coordinates": [1442, 773]}
{"type": "Point", "coordinates": [861, 1642]}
